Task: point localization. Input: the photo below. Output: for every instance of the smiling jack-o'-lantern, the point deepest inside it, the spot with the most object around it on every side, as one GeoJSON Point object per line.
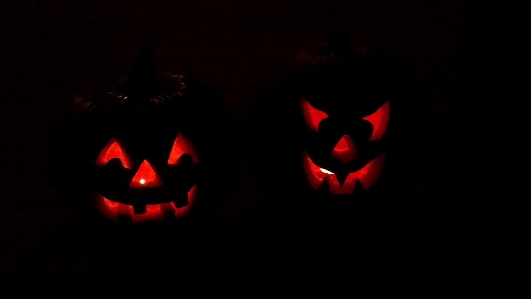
{"type": "Point", "coordinates": [146, 197]}
{"type": "Point", "coordinates": [153, 148]}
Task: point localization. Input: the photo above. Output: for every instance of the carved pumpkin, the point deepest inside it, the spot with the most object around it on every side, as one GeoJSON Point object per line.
{"type": "Point", "coordinates": [146, 197]}
{"type": "Point", "coordinates": [335, 145]}
{"type": "Point", "coordinates": [153, 148]}
{"type": "Point", "coordinates": [351, 166]}
{"type": "Point", "coordinates": [327, 129]}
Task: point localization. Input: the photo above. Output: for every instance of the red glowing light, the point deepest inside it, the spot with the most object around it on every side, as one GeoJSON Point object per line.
{"type": "Point", "coordinates": [367, 175]}
{"type": "Point", "coordinates": [312, 115]}
{"type": "Point", "coordinates": [113, 150]}
{"type": "Point", "coordinates": [345, 150]}
{"type": "Point", "coordinates": [112, 210]}
{"type": "Point", "coordinates": [180, 147]}
{"type": "Point", "coordinates": [145, 177]}
{"type": "Point", "coordinates": [379, 120]}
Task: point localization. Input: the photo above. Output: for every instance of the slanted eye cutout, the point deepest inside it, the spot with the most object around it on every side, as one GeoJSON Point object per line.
{"type": "Point", "coordinates": [180, 147]}
{"type": "Point", "coordinates": [113, 150]}
{"type": "Point", "coordinates": [312, 115]}
{"type": "Point", "coordinates": [379, 120]}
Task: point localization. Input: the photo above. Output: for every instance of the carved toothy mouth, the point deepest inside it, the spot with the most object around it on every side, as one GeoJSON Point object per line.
{"type": "Point", "coordinates": [365, 176]}
{"type": "Point", "coordinates": [114, 210]}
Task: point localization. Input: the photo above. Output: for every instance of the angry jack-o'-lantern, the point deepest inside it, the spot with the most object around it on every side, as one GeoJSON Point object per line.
{"type": "Point", "coordinates": [346, 104]}
{"type": "Point", "coordinates": [330, 127]}
{"type": "Point", "coordinates": [335, 144]}
{"type": "Point", "coordinates": [156, 147]}
{"type": "Point", "coordinates": [352, 167]}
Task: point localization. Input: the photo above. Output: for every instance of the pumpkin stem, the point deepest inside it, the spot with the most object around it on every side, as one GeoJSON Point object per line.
{"type": "Point", "coordinates": [338, 41]}
{"type": "Point", "coordinates": [142, 80]}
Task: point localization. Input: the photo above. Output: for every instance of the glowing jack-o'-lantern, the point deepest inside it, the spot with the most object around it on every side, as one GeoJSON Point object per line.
{"type": "Point", "coordinates": [345, 151]}
{"type": "Point", "coordinates": [336, 145]}
{"type": "Point", "coordinates": [148, 149]}
{"type": "Point", "coordinates": [328, 127]}
{"type": "Point", "coordinates": [156, 201]}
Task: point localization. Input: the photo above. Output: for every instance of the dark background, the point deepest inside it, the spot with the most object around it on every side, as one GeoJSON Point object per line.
{"type": "Point", "coordinates": [471, 59]}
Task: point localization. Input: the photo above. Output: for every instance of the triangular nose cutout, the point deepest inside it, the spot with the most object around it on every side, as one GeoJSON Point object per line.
{"type": "Point", "coordinates": [345, 150]}
{"type": "Point", "coordinates": [145, 177]}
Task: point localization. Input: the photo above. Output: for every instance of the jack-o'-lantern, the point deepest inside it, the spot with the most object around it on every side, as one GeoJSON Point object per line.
{"type": "Point", "coordinates": [335, 144]}
{"type": "Point", "coordinates": [329, 128]}
{"type": "Point", "coordinates": [354, 159]}
{"type": "Point", "coordinates": [146, 197]}
{"type": "Point", "coordinates": [154, 147]}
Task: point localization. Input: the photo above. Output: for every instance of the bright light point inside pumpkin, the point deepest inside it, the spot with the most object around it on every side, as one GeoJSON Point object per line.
{"type": "Point", "coordinates": [145, 177]}
{"type": "Point", "coordinates": [326, 171]}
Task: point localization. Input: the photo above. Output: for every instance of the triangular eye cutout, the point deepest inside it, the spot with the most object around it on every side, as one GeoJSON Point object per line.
{"type": "Point", "coordinates": [379, 120]}
{"type": "Point", "coordinates": [113, 150]}
{"type": "Point", "coordinates": [312, 115]}
{"type": "Point", "coordinates": [145, 177]}
{"type": "Point", "coordinates": [182, 146]}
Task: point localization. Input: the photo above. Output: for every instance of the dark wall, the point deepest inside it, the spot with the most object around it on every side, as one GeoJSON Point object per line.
{"type": "Point", "coordinates": [470, 57]}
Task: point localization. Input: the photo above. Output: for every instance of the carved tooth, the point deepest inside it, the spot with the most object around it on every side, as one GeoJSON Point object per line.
{"type": "Point", "coordinates": [324, 189]}
{"type": "Point", "coordinates": [181, 201]}
{"type": "Point", "coordinates": [359, 189]}
{"type": "Point", "coordinates": [124, 218]}
{"type": "Point", "coordinates": [139, 209]}
{"type": "Point", "coordinates": [341, 177]}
